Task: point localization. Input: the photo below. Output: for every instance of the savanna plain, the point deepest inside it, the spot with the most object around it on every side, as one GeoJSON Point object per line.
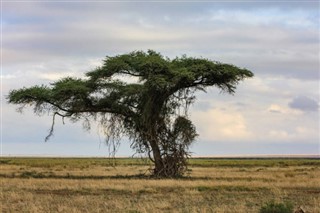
{"type": "Point", "coordinates": [125, 185]}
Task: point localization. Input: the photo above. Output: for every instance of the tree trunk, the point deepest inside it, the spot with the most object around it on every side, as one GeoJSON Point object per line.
{"type": "Point", "coordinates": [157, 158]}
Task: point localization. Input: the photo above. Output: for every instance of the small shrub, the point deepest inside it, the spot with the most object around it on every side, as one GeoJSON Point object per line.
{"type": "Point", "coordinates": [272, 207]}
{"type": "Point", "coordinates": [288, 174]}
{"type": "Point", "coordinates": [203, 188]}
{"type": "Point", "coordinates": [4, 161]}
{"type": "Point", "coordinates": [32, 174]}
{"type": "Point", "coordinates": [35, 174]}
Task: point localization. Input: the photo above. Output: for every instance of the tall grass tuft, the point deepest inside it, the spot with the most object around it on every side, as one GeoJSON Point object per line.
{"type": "Point", "coordinates": [273, 207]}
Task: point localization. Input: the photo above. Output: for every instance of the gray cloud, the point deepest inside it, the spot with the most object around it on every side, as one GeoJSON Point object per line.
{"type": "Point", "coordinates": [304, 103]}
{"type": "Point", "coordinates": [271, 40]}
{"type": "Point", "coordinates": [43, 41]}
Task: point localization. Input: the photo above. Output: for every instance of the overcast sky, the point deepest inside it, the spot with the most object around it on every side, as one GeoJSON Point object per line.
{"type": "Point", "coordinates": [276, 112]}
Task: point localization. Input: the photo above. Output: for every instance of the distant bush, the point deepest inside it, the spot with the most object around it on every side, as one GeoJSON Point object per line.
{"type": "Point", "coordinates": [203, 188]}
{"type": "Point", "coordinates": [32, 174]}
{"type": "Point", "coordinates": [4, 161]}
{"type": "Point", "coordinates": [35, 174]}
{"type": "Point", "coordinates": [272, 207]}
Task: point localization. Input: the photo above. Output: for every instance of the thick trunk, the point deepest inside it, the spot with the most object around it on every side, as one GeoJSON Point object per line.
{"type": "Point", "coordinates": [153, 120]}
{"type": "Point", "coordinates": [166, 164]}
{"type": "Point", "coordinates": [157, 157]}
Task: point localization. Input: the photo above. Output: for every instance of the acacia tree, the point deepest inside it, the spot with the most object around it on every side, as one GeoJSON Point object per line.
{"type": "Point", "coordinates": [152, 111]}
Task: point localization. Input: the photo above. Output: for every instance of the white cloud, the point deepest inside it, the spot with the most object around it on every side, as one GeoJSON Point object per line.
{"type": "Point", "coordinates": [275, 108]}
{"type": "Point", "coordinates": [278, 135]}
{"type": "Point", "coordinates": [43, 42]}
{"type": "Point", "coordinates": [268, 48]}
{"type": "Point", "coordinates": [296, 134]}
{"type": "Point", "coordinates": [7, 76]}
{"type": "Point", "coordinates": [273, 16]}
{"type": "Point", "coordinates": [280, 123]}
{"type": "Point", "coordinates": [54, 76]}
{"type": "Point", "coordinates": [220, 125]}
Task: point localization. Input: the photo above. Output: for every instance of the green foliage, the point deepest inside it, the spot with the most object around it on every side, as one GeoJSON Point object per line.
{"type": "Point", "coordinates": [152, 112]}
{"type": "Point", "coordinates": [252, 162]}
{"type": "Point", "coordinates": [204, 188]}
{"type": "Point", "coordinates": [32, 174]}
{"type": "Point", "coordinates": [273, 207]}
{"type": "Point", "coordinates": [194, 162]}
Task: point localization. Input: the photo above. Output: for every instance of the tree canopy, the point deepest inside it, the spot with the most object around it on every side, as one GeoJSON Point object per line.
{"type": "Point", "coordinates": [142, 95]}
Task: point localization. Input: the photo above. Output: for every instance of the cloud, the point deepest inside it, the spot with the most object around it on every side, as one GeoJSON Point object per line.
{"type": "Point", "coordinates": [300, 134]}
{"type": "Point", "coordinates": [7, 76]}
{"type": "Point", "coordinates": [43, 41]}
{"type": "Point", "coordinates": [217, 125]}
{"type": "Point", "coordinates": [265, 17]}
{"type": "Point", "coordinates": [262, 39]}
{"type": "Point", "coordinates": [304, 103]}
{"type": "Point", "coordinates": [275, 109]}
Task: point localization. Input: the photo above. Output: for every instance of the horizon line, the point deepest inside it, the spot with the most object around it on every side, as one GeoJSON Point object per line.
{"type": "Point", "coordinates": [195, 156]}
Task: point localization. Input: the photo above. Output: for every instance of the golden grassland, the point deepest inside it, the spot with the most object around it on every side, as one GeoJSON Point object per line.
{"type": "Point", "coordinates": [123, 185]}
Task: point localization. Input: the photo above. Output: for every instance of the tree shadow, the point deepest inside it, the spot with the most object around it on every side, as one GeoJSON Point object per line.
{"type": "Point", "coordinates": [39, 175]}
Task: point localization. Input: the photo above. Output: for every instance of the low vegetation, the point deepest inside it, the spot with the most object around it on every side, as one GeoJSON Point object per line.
{"type": "Point", "coordinates": [272, 207]}
{"type": "Point", "coordinates": [125, 185]}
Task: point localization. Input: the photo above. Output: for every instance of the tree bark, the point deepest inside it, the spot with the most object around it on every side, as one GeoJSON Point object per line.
{"type": "Point", "coordinates": [157, 158]}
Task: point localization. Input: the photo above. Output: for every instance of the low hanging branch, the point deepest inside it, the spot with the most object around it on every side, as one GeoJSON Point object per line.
{"type": "Point", "coordinates": [152, 113]}
{"type": "Point", "coordinates": [53, 123]}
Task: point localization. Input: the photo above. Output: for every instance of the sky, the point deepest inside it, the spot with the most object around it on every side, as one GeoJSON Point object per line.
{"type": "Point", "coordinates": [274, 113]}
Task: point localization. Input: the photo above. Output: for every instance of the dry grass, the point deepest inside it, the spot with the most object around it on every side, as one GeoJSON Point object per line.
{"type": "Point", "coordinates": [93, 187]}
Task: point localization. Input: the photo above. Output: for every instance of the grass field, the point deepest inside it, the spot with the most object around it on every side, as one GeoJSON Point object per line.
{"type": "Point", "coordinates": [123, 185]}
